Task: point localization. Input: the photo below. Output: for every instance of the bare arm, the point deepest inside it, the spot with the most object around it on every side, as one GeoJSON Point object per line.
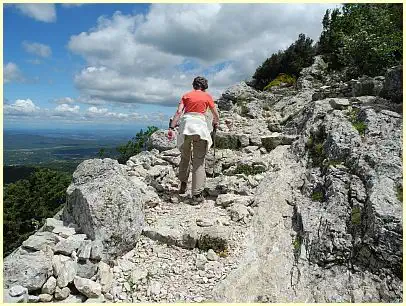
{"type": "Point", "coordinates": [178, 113]}
{"type": "Point", "coordinates": [216, 117]}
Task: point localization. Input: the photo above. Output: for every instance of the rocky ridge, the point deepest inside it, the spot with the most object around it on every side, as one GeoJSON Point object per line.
{"type": "Point", "coordinates": [302, 205]}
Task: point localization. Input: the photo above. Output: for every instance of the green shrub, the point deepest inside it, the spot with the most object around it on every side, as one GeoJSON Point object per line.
{"type": "Point", "coordinates": [357, 123]}
{"type": "Point", "coordinates": [281, 78]}
{"type": "Point", "coordinates": [360, 126]}
{"type": "Point", "coordinates": [317, 196]}
{"type": "Point", "coordinates": [297, 244]}
{"type": "Point", "coordinates": [246, 169]}
{"type": "Point", "coordinates": [399, 193]}
{"type": "Point", "coordinates": [356, 216]}
{"type": "Point", "coordinates": [316, 149]}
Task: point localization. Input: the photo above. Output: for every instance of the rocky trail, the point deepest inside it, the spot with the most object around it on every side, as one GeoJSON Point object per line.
{"type": "Point", "coordinates": [302, 205]}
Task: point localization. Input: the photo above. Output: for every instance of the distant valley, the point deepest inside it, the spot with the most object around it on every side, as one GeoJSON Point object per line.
{"type": "Point", "coordinates": [61, 150]}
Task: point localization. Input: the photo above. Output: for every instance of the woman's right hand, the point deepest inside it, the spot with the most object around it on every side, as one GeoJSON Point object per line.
{"type": "Point", "coordinates": [171, 134]}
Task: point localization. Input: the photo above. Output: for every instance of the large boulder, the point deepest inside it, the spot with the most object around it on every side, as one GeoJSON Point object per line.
{"type": "Point", "coordinates": [159, 140]}
{"type": "Point", "coordinates": [28, 269]}
{"type": "Point", "coordinates": [311, 76]}
{"type": "Point", "coordinates": [107, 205]}
{"type": "Point", "coordinates": [392, 86]}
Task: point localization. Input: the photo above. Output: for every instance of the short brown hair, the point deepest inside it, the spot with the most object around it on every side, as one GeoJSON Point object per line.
{"type": "Point", "coordinates": [200, 83]}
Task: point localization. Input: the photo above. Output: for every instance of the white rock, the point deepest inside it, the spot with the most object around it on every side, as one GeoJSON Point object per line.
{"type": "Point", "coordinates": [17, 290]}
{"type": "Point", "coordinates": [106, 276]}
{"type": "Point", "coordinates": [61, 294]}
{"type": "Point", "coordinates": [33, 299]}
{"type": "Point", "coordinates": [138, 274]}
{"type": "Point", "coordinates": [203, 222]}
{"type": "Point", "coordinates": [46, 298]}
{"type": "Point", "coordinates": [125, 265]}
{"type": "Point", "coordinates": [211, 255]}
{"type": "Point", "coordinates": [154, 288]}
{"type": "Point", "coordinates": [51, 223]}
{"type": "Point", "coordinates": [87, 287]}
{"type": "Point", "coordinates": [64, 231]}
{"type": "Point", "coordinates": [72, 298]}
{"type": "Point", "coordinates": [84, 250]}
{"type": "Point", "coordinates": [66, 273]}
{"type": "Point", "coordinates": [49, 286]}
{"type": "Point", "coordinates": [238, 212]}
{"type": "Point", "coordinates": [57, 263]}
{"type": "Point", "coordinates": [226, 200]}
{"type": "Point", "coordinates": [200, 261]}
{"type": "Point", "coordinates": [127, 287]}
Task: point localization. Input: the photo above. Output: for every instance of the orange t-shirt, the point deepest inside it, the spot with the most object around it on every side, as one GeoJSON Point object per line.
{"type": "Point", "coordinates": [197, 101]}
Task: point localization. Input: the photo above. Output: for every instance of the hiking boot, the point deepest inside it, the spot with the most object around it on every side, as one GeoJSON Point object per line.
{"type": "Point", "coordinates": [197, 199]}
{"type": "Point", "coordinates": [182, 188]}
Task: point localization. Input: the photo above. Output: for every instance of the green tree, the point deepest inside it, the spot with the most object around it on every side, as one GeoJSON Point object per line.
{"type": "Point", "coordinates": [27, 203]}
{"type": "Point", "coordinates": [363, 37]}
{"type": "Point", "coordinates": [135, 145]}
{"type": "Point", "coordinates": [291, 61]}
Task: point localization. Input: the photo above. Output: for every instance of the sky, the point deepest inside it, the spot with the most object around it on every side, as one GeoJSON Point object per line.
{"type": "Point", "coordinates": [124, 65]}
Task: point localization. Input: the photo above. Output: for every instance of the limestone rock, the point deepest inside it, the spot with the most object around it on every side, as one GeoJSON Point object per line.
{"type": "Point", "coordinates": [61, 294]}
{"type": "Point", "coordinates": [58, 262]}
{"type": "Point", "coordinates": [30, 270]}
{"type": "Point", "coordinates": [238, 212]}
{"type": "Point", "coordinates": [33, 299]}
{"type": "Point", "coordinates": [51, 223]}
{"type": "Point", "coordinates": [211, 255]}
{"type": "Point", "coordinates": [49, 286]}
{"type": "Point", "coordinates": [84, 250]}
{"type": "Point", "coordinates": [66, 273]}
{"type": "Point", "coordinates": [69, 245]}
{"type": "Point", "coordinates": [7, 298]}
{"type": "Point", "coordinates": [86, 269]}
{"type": "Point", "coordinates": [45, 298]}
{"type": "Point", "coordinates": [138, 274]}
{"type": "Point", "coordinates": [392, 86]}
{"type": "Point", "coordinates": [107, 205]}
{"type": "Point", "coordinates": [106, 276]}
{"type": "Point", "coordinates": [74, 298]}
{"type": "Point", "coordinates": [339, 103]}
{"type": "Point", "coordinates": [225, 200]}
{"type": "Point", "coordinates": [200, 261]}
{"type": "Point", "coordinates": [159, 140]}
{"type": "Point", "coordinates": [40, 240]}
{"type": "Point", "coordinates": [87, 287]}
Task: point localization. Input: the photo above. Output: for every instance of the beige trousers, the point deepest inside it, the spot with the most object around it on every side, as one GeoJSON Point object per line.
{"type": "Point", "coordinates": [198, 162]}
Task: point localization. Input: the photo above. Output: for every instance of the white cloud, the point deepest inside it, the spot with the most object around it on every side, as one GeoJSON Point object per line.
{"type": "Point", "coordinates": [12, 73]}
{"type": "Point", "coordinates": [64, 100]}
{"type": "Point", "coordinates": [69, 5]}
{"type": "Point", "coordinates": [153, 59]}
{"type": "Point", "coordinates": [34, 61]}
{"type": "Point", "coordinates": [93, 110]}
{"type": "Point", "coordinates": [42, 12]}
{"type": "Point", "coordinates": [65, 109]}
{"type": "Point", "coordinates": [37, 48]}
{"type": "Point", "coordinates": [21, 108]}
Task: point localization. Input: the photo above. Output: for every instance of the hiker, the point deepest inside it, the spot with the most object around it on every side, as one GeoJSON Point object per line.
{"type": "Point", "coordinates": [194, 129]}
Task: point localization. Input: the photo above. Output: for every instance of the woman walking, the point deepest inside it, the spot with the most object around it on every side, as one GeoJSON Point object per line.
{"type": "Point", "coordinates": [194, 131]}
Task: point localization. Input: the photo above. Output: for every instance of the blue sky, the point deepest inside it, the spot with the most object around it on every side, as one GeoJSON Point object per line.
{"type": "Point", "coordinates": [128, 64]}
